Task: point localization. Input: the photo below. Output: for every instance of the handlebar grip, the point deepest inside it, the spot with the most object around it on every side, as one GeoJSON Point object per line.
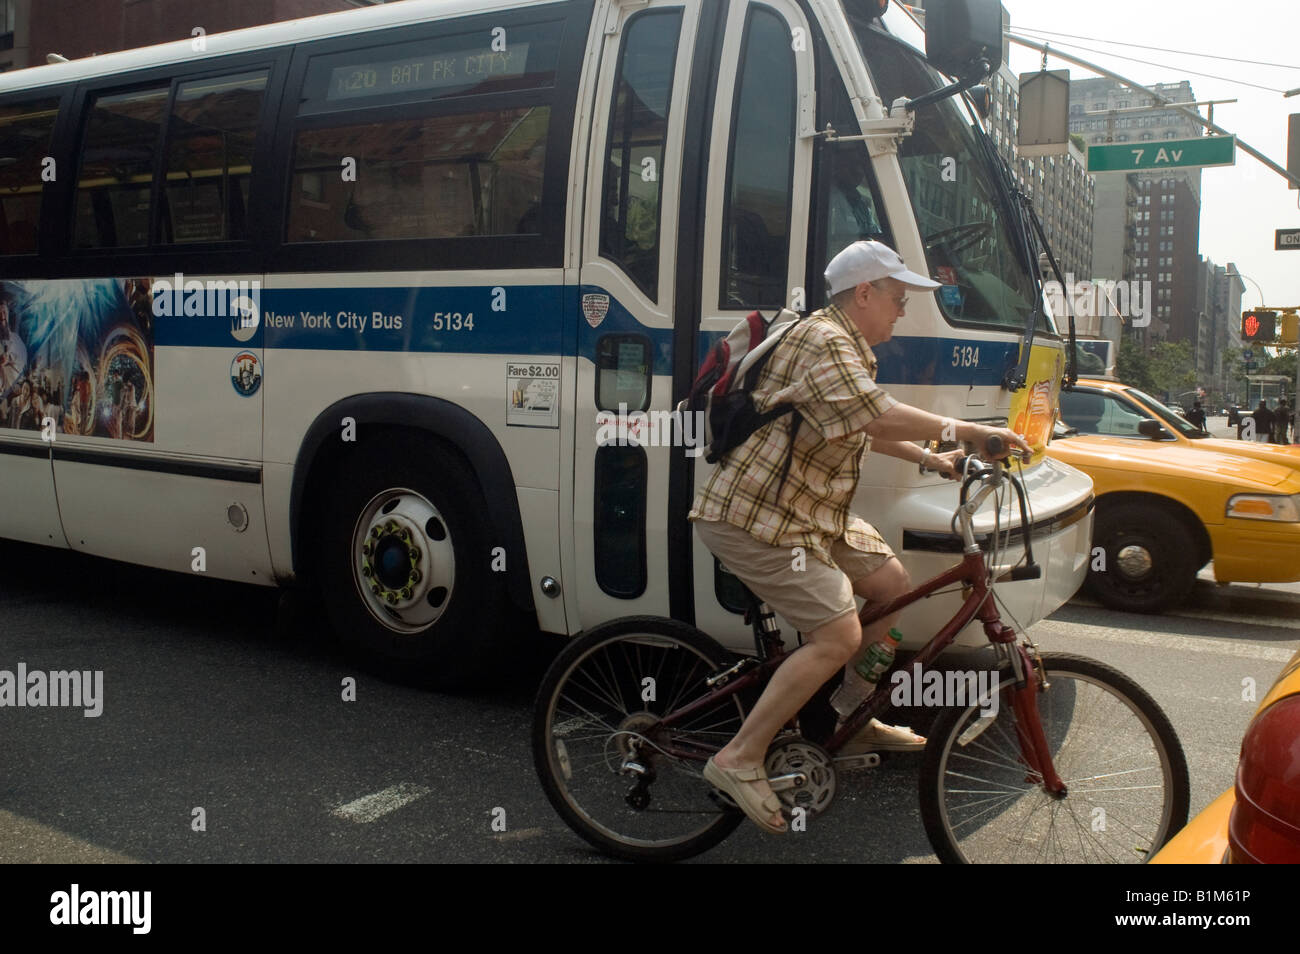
{"type": "Point", "coordinates": [995, 446]}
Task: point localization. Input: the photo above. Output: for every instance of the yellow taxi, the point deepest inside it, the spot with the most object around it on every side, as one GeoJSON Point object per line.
{"type": "Point", "coordinates": [1258, 819]}
{"type": "Point", "coordinates": [1170, 499]}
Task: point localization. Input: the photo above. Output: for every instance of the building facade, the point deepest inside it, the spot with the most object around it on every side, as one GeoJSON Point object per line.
{"type": "Point", "coordinates": [1158, 214]}
{"type": "Point", "coordinates": [1059, 186]}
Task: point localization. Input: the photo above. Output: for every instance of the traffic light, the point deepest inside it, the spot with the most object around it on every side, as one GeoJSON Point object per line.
{"type": "Point", "coordinates": [1258, 326]}
{"type": "Point", "coordinates": [1289, 329]}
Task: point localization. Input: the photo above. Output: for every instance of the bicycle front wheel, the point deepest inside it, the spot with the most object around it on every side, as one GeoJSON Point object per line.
{"type": "Point", "coordinates": [626, 784]}
{"type": "Point", "coordinates": [1112, 745]}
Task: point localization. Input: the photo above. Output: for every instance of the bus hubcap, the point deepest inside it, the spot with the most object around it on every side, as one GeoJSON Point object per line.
{"type": "Point", "coordinates": [403, 561]}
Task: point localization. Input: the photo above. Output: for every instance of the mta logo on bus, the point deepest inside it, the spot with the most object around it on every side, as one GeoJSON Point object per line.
{"type": "Point", "coordinates": [239, 302]}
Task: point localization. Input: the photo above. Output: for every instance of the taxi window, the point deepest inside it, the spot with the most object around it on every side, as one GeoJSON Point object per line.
{"type": "Point", "coordinates": [1090, 412]}
{"type": "Point", "coordinates": [1120, 418]}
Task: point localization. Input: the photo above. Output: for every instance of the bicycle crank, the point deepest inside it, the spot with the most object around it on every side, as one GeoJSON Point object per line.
{"type": "Point", "coordinates": [802, 774]}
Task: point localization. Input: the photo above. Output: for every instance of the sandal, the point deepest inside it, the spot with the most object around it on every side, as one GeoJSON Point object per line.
{"type": "Point", "coordinates": [878, 737]}
{"type": "Point", "coordinates": [738, 784]}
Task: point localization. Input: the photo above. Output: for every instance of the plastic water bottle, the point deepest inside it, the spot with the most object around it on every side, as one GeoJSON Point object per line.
{"type": "Point", "coordinates": [878, 657]}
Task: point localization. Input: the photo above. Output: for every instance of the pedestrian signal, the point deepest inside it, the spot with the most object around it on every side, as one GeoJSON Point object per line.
{"type": "Point", "coordinates": [1258, 326]}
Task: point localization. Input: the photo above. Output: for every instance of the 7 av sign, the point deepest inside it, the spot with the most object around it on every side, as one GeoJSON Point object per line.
{"type": "Point", "coordinates": [1169, 154]}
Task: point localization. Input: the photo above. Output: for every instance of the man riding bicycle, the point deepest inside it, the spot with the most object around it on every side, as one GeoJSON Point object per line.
{"type": "Point", "coordinates": [753, 520]}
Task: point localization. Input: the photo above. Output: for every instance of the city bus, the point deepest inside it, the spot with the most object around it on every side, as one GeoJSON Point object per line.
{"type": "Point", "coordinates": [346, 302]}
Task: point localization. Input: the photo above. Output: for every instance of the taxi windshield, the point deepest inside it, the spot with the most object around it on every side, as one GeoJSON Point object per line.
{"type": "Point", "coordinates": [1169, 415]}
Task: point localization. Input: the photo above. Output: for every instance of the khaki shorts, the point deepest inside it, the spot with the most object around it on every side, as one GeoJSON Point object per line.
{"type": "Point", "coordinates": [807, 598]}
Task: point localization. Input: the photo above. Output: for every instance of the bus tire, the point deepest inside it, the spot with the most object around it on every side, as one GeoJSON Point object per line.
{"type": "Point", "coordinates": [406, 565]}
{"type": "Point", "coordinates": [1150, 558]}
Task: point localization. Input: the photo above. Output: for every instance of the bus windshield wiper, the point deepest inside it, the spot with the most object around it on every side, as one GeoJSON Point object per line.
{"type": "Point", "coordinates": [1020, 211]}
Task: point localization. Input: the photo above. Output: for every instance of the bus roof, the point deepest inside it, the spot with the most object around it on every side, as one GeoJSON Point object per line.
{"type": "Point", "coordinates": [288, 32]}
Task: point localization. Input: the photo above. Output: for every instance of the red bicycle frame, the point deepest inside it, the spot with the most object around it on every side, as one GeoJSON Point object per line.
{"type": "Point", "coordinates": [978, 603]}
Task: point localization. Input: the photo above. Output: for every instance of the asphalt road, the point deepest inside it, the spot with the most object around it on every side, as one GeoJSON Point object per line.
{"type": "Point", "coordinates": [210, 704]}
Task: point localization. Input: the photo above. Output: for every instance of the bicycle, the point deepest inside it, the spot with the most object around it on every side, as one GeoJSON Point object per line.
{"type": "Point", "coordinates": [1075, 762]}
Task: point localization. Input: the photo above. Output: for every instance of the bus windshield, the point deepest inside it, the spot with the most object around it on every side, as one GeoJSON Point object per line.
{"type": "Point", "coordinates": [961, 215]}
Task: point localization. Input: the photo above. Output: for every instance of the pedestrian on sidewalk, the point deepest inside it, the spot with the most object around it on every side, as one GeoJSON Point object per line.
{"type": "Point", "coordinates": [1263, 418]}
{"type": "Point", "coordinates": [1281, 421]}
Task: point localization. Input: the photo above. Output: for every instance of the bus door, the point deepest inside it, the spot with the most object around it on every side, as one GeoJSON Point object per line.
{"type": "Point", "coordinates": [755, 218]}
{"type": "Point", "coordinates": [625, 325]}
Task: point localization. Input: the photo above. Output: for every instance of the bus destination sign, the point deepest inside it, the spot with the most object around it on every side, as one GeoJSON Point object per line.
{"type": "Point", "coordinates": [436, 71]}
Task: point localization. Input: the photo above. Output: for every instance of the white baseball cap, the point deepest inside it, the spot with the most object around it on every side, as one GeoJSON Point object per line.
{"type": "Point", "coordinates": [867, 261]}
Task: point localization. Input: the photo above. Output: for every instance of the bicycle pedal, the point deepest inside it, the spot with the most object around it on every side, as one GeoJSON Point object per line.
{"type": "Point", "coordinates": [847, 763]}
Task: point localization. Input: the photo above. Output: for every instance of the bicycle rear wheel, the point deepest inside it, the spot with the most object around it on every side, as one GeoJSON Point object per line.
{"type": "Point", "coordinates": [598, 709]}
{"type": "Point", "coordinates": [1116, 751]}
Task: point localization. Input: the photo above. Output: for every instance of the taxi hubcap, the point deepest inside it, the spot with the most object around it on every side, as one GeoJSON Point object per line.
{"type": "Point", "coordinates": [1134, 561]}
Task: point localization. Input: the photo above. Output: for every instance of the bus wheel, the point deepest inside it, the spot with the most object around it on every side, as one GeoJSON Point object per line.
{"type": "Point", "coordinates": [406, 565]}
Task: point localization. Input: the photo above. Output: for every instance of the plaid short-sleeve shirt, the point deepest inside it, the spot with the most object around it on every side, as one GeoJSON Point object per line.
{"type": "Point", "coordinates": [827, 370]}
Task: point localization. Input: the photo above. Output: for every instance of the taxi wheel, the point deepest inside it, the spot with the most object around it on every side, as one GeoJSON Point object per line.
{"type": "Point", "coordinates": [1150, 558]}
{"type": "Point", "coordinates": [405, 566]}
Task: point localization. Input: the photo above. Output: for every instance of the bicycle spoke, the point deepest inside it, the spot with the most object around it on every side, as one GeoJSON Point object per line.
{"type": "Point", "coordinates": [1103, 743]}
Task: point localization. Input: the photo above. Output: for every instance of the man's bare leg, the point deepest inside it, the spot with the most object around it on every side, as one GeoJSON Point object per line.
{"type": "Point", "coordinates": [889, 582]}
{"type": "Point", "coordinates": [825, 650]}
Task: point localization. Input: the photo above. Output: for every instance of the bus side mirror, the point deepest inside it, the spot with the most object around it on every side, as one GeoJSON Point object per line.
{"type": "Point", "coordinates": [1148, 427]}
{"type": "Point", "coordinates": [958, 33]}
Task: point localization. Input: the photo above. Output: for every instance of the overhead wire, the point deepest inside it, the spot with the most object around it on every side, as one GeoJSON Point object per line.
{"type": "Point", "coordinates": [1158, 49]}
{"type": "Point", "coordinates": [1163, 66]}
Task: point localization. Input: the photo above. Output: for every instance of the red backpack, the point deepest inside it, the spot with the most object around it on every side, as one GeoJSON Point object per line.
{"type": "Point", "coordinates": [722, 389]}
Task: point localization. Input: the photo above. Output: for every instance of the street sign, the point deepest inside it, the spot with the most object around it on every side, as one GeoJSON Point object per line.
{"type": "Point", "coordinates": [1043, 128]}
{"type": "Point", "coordinates": [1163, 154]}
{"type": "Point", "coordinates": [1287, 238]}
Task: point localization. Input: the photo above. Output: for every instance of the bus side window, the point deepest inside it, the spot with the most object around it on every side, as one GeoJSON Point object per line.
{"type": "Point", "coordinates": [210, 158]}
{"type": "Point", "coordinates": [122, 137]}
{"type": "Point", "coordinates": [760, 169]}
{"type": "Point", "coordinates": [464, 174]}
{"type": "Point", "coordinates": [444, 137]}
{"type": "Point", "coordinates": [634, 156]}
{"type": "Point", "coordinates": [25, 130]}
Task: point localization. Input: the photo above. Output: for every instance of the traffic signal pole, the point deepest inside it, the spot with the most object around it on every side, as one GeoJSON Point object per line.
{"type": "Point", "coordinates": [1160, 101]}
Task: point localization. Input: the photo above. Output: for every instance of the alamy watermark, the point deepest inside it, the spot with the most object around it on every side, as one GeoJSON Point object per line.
{"type": "Point", "coordinates": [946, 688]}
{"type": "Point", "coordinates": [61, 688]}
{"type": "Point", "coordinates": [652, 429]}
{"type": "Point", "coordinates": [126, 908]}
{"type": "Point", "coordinates": [240, 301]}
{"type": "Point", "coordinates": [1131, 299]}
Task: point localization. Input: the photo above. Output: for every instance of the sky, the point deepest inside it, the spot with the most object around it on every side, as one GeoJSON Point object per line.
{"type": "Point", "coordinates": [1242, 205]}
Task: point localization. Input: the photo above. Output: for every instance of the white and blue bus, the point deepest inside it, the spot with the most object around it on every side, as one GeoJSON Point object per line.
{"type": "Point", "coordinates": [341, 301]}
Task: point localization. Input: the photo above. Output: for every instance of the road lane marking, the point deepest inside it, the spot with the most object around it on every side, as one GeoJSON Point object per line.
{"type": "Point", "coordinates": [1137, 637]}
{"type": "Point", "coordinates": [370, 808]}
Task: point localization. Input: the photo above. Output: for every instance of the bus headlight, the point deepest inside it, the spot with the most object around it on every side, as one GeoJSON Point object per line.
{"type": "Point", "coordinates": [1265, 507]}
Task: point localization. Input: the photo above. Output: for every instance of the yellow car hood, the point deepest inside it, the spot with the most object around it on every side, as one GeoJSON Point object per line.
{"type": "Point", "coordinates": [1161, 457]}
